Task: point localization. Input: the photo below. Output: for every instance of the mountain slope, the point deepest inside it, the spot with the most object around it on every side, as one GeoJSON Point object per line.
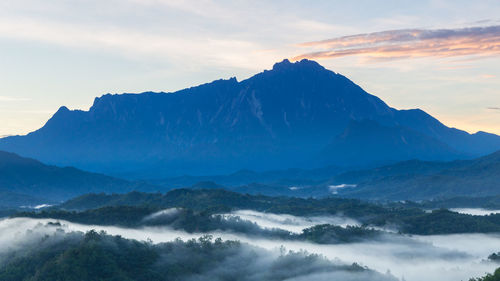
{"type": "Point", "coordinates": [480, 143]}
{"type": "Point", "coordinates": [369, 142]}
{"type": "Point", "coordinates": [418, 180]}
{"type": "Point", "coordinates": [29, 180]}
{"type": "Point", "coordinates": [288, 117]}
{"type": "Point", "coordinates": [11, 200]}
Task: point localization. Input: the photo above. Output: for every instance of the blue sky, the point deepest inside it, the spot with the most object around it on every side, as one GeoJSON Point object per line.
{"type": "Point", "coordinates": [441, 56]}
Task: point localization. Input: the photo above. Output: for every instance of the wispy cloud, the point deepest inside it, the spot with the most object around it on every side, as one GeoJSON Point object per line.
{"type": "Point", "coordinates": [494, 108]}
{"type": "Point", "coordinates": [409, 43]}
{"type": "Point", "coordinates": [5, 98]}
{"type": "Point", "coordinates": [136, 44]}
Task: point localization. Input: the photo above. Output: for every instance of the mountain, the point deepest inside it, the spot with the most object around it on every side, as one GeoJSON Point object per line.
{"type": "Point", "coordinates": [26, 181]}
{"type": "Point", "coordinates": [420, 180]}
{"type": "Point", "coordinates": [297, 115]}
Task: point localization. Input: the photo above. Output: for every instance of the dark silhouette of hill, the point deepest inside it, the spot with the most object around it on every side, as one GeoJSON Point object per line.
{"type": "Point", "coordinates": [420, 180]}
{"type": "Point", "coordinates": [28, 181]}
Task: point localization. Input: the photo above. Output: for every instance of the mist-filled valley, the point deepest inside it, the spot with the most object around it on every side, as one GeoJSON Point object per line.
{"type": "Point", "coordinates": [270, 238]}
{"type": "Point", "coordinates": [256, 257]}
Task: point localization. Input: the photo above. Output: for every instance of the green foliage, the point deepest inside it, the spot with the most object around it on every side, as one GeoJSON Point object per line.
{"type": "Point", "coordinates": [489, 202]}
{"type": "Point", "coordinates": [332, 234]}
{"type": "Point", "coordinates": [444, 222]}
{"type": "Point", "coordinates": [97, 256]}
{"type": "Point", "coordinates": [489, 277]}
{"type": "Point", "coordinates": [218, 200]}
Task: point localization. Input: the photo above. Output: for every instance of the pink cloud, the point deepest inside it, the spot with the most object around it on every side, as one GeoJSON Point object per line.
{"type": "Point", "coordinates": [409, 43]}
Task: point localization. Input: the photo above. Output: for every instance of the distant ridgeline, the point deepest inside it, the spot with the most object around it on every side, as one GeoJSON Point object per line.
{"type": "Point", "coordinates": [30, 183]}
{"type": "Point", "coordinates": [421, 180]}
{"type": "Point", "coordinates": [295, 115]}
{"type": "Point", "coordinates": [457, 181]}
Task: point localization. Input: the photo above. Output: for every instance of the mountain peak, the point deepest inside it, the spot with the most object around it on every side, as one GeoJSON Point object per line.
{"type": "Point", "coordinates": [285, 65]}
{"type": "Point", "coordinates": [62, 109]}
{"type": "Point", "coordinates": [282, 65]}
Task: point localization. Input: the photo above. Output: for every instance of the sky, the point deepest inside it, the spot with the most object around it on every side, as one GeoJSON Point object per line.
{"type": "Point", "coordinates": [440, 56]}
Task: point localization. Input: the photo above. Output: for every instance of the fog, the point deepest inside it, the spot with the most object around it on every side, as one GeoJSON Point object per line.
{"type": "Point", "coordinates": [334, 189]}
{"type": "Point", "coordinates": [288, 222]}
{"type": "Point", "coordinates": [475, 211]}
{"type": "Point", "coordinates": [163, 213]}
{"type": "Point", "coordinates": [244, 262]}
{"type": "Point", "coordinates": [414, 258]}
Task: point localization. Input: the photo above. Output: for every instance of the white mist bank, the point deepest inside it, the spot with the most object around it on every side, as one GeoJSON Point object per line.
{"type": "Point", "coordinates": [288, 222]}
{"type": "Point", "coordinates": [416, 258]}
{"type": "Point", "coordinates": [163, 213]}
{"type": "Point", "coordinates": [475, 211]}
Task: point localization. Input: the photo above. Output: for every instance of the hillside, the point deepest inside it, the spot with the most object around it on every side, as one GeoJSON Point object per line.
{"type": "Point", "coordinates": [29, 181]}
{"type": "Point", "coordinates": [419, 180]}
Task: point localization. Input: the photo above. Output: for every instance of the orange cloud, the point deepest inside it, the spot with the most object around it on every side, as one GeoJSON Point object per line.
{"type": "Point", "coordinates": [409, 43]}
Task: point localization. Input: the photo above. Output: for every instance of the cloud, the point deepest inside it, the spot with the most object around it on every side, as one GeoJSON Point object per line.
{"type": "Point", "coordinates": [5, 98]}
{"type": "Point", "coordinates": [409, 43]}
{"type": "Point", "coordinates": [288, 222]}
{"type": "Point", "coordinates": [494, 108]}
{"type": "Point", "coordinates": [137, 44]}
{"type": "Point", "coordinates": [203, 8]}
{"type": "Point", "coordinates": [475, 211]}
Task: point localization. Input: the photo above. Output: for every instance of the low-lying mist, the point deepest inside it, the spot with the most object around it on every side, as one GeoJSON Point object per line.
{"type": "Point", "coordinates": [475, 211]}
{"type": "Point", "coordinates": [53, 246]}
{"type": "Point", "coordinates": [412, 258]}
{"type": "Point", "coordinates": [288, 222]}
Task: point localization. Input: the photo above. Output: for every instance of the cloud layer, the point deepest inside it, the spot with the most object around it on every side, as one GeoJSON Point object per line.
{"type": "Point", "coordinates": [409, 43]}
